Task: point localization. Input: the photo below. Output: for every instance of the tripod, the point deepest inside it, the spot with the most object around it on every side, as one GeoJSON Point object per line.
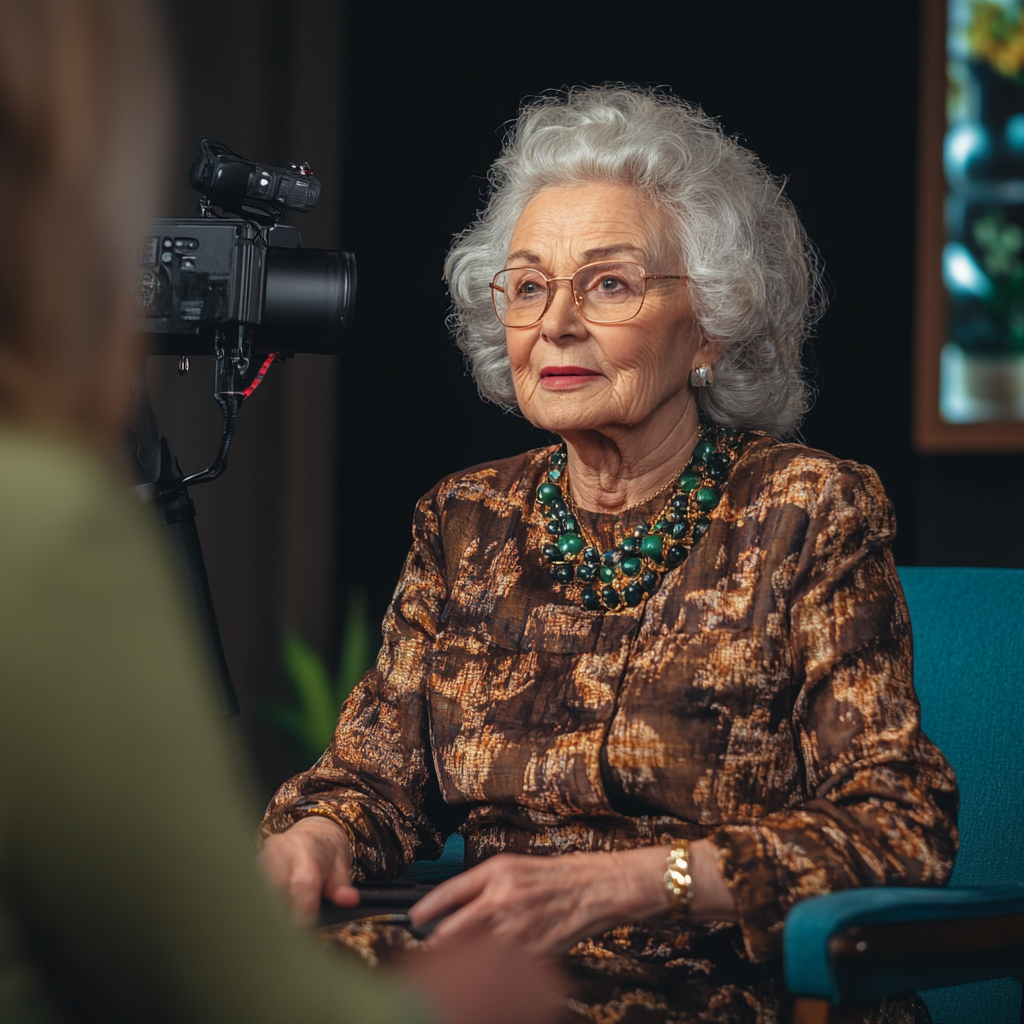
{"type": "Point", "coordinates": [166, 487]}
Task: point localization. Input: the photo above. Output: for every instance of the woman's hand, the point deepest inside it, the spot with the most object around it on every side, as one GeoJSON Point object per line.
{"type": "Point", "coordinates": [547, 904]}
{"type": "Point", "coordinates": [310, 860]}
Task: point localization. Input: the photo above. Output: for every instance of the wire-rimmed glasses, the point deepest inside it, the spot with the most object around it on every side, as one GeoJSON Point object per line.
{"type": "Point", "coordinates": [607, 292]}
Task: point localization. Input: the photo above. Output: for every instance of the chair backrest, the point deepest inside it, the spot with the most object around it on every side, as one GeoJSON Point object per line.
{"type": "Point", "coordinates": [969, 674]}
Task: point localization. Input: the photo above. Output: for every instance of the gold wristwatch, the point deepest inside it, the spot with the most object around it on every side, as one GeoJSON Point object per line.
{"type": "Point", "coordinates": [678, 883]}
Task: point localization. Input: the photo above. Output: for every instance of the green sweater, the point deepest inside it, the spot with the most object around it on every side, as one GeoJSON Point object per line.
{"type": "Point", "coordinates": [127, 884]}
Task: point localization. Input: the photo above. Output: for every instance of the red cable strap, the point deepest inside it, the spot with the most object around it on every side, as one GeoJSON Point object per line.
{"type": "Point", "coordinates": [258, 379]}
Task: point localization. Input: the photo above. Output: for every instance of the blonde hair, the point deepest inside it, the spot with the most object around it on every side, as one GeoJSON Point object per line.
{"type": "Point", "coordinates": [84, 110]}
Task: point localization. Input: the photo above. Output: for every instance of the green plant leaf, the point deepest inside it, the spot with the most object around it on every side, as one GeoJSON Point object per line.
{"type": "Point", "coordinates": [355, 656]}
{"type": "Point", "coordinates": [310, 682]}
{"type": "Point", "coordinates": [309, 723]}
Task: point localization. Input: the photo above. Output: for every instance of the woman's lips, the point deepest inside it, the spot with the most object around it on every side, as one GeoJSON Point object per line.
{"type": "Point", "coordinates": [559, 378]}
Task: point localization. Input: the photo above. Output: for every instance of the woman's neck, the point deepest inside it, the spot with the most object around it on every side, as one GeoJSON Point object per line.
{"type": "Point", "coordinates": [613, 469]}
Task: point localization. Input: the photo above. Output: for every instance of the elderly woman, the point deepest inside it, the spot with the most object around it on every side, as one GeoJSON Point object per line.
{"type": "Point", "coordinates": [659, 674]}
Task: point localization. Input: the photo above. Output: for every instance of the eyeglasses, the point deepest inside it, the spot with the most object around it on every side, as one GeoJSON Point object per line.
{"type": "Point", "coordinates": [605, 293]}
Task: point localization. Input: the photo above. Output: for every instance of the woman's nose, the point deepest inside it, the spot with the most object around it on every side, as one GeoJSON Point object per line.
{"type": "Point", "coordinates": [562, 320]}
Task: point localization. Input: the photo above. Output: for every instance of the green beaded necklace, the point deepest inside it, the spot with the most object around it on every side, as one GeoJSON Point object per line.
{"type": "Point", "coordinates": [633, 569]}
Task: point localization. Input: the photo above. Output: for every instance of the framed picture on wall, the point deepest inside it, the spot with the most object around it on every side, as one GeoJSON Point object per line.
{"type": "Point", "coordinates": [969, 358]}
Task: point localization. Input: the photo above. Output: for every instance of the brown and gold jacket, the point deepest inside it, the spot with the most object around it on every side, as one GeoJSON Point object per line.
{"type": "Point", "coordinates": [761, 698]}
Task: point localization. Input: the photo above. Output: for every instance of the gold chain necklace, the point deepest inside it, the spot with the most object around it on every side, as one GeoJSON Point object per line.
{"type": "Point", "coordinates": [626, 574]}
{"type": "Point", "coordinates": [622, 511]}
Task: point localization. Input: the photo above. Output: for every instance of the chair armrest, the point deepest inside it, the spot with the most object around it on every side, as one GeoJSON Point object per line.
{"type": "Point", "coordinates": [450, 863]}
{"type": "Point", "coordinates": [864, 944]}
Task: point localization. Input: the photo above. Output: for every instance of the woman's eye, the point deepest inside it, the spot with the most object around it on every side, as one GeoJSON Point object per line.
{"type": "Point", "coordinates": [609, 283]}
{"type": "Point", "coordinates": [529, 289]}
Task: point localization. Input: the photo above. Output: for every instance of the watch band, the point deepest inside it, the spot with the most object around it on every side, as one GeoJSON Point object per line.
{"type": "Point", "coordinates": [678, 882]}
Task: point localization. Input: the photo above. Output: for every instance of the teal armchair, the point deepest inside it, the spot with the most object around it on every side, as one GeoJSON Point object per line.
{"type": "Point", "coordinates": [961, 947]}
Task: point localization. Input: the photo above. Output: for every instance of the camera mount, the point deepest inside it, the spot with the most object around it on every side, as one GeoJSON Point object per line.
{"type": "Point", "coordinates": [231, 284]}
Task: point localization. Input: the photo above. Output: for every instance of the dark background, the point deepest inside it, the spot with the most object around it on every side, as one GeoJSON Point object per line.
{"type": "Point", "coordinates": [400, 109]}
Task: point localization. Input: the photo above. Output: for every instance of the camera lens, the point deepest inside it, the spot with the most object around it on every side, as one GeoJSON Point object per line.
{"type": "Point", "coordinates": [309, 299]}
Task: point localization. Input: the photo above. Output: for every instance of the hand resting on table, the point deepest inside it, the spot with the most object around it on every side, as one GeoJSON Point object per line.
{"type": "Point", "coordinates": [310, 860]}
{"type": "Point", "coordinates": [475, 979]}
{"type": "Point", "coordinates": [546, 905]}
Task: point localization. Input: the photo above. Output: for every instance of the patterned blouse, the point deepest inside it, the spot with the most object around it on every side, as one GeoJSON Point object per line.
{"type": "Point", "coordinates": [762, 698]}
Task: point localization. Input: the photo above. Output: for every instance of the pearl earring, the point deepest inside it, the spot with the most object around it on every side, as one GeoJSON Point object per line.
{"type": "Point", "coordinates": [703, 375]}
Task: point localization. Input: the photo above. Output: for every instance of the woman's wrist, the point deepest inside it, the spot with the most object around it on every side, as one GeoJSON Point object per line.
{"type": "Point", "coordinates": [711, 898]}
{"type": "Point", "coordinates": [326, 830]}
{"type": "Point", "coordinates": [640, 878]}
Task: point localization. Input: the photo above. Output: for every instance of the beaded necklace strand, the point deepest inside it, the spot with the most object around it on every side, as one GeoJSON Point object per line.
{"type": "Point", "coordinates": [626, 574]}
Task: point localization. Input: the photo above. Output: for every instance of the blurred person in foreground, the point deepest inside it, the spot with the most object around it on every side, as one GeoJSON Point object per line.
{"type": "Point", "coordinates": [658, 674]}
{"type": "Point", "coordinates": [127, 888]}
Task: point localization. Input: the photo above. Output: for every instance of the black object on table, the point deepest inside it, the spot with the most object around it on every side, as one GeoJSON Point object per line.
{"type": "Point", "coordinates": [389, 900]}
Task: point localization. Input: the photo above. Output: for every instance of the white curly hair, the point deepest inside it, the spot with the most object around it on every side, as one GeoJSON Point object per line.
{"type": "Point", "coordinates": [755, 279]}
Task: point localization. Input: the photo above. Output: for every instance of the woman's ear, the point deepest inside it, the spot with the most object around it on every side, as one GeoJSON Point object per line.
{"type": "Point", "coordinates": [707, 353]}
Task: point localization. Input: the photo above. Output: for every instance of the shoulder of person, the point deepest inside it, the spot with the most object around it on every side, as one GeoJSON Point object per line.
{"type": "Point", "coordinates": [54, 496]}
{"type": "Point", "coordinates": [775, 472]}
{"type": "Point", "coordinates": [511, 480]}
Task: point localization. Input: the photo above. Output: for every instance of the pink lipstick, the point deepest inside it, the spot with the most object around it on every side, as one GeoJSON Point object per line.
{"type": "Point", "coordinates": [560, 378]}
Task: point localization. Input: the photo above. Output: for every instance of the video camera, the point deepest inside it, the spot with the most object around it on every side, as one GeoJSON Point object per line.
{"type": "Point", "coordinates": [200, 276]}
{"type": "Point", "coordinates": [230, 284]}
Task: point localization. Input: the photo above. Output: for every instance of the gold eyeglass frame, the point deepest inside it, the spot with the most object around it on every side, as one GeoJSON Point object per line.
{"type": "Point", "coordinates": [576, 297]}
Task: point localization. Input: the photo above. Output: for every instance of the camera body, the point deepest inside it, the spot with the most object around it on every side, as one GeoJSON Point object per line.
{"type": "Point", "coordinates": [199, 274]}
{"type": "Point", "coordinates": [200, 277]}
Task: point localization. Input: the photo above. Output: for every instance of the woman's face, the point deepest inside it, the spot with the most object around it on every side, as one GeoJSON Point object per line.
{"type": "Point", "coordinates": [572, 375]}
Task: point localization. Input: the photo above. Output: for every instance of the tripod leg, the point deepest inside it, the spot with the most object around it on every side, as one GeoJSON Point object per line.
{"type": "Point", "coordinates": [160, 469]}
{"type": "Point", "coordinates": [179, 515]}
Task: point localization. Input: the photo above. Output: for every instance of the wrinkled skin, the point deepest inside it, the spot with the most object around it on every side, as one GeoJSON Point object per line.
{"type": "Point", "coordinates": [632, 423]}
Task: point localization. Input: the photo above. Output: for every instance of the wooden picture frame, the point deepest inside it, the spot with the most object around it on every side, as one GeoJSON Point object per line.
{"type": "Point", "coordinates": [934, 434]}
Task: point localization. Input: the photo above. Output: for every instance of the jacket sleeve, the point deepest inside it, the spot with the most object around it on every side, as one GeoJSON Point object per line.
{"type": "Point", "coordinates": [377, 779]}
{"type": "Point", "coordinates": [880, 801]}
